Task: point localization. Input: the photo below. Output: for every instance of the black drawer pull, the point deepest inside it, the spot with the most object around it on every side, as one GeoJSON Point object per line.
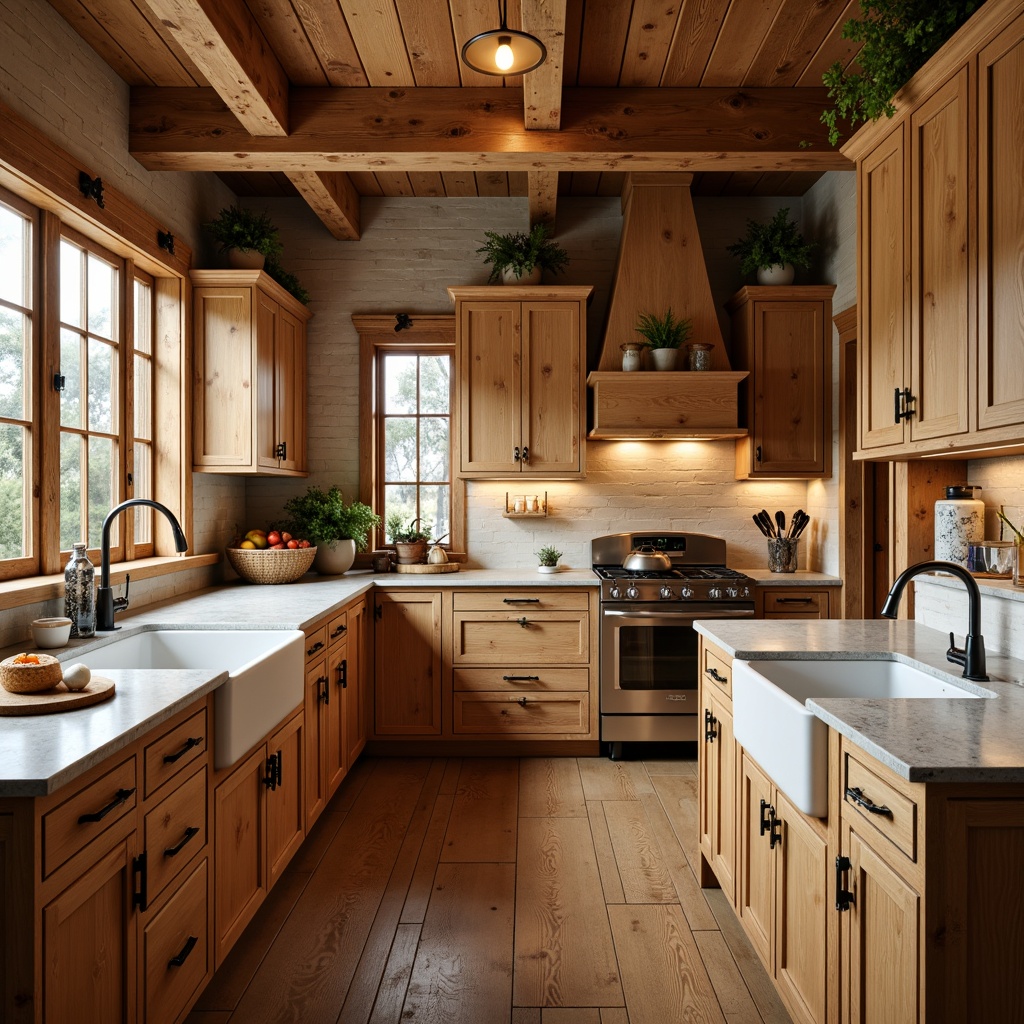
{"type": "Point", "coordinates": [190, 833]}
{"type": "Point", "coordinates": [856, 794]}
{"type": "Point", "coordinates": [521, 701]}
{"type": "Point", "coordinates": [794, 600]}
{"type": "Point", "coordinates": [520, 600]}
{"type": "Point", "coordinates": [323, 694]}
{"type": "Point", "coordinates": [122, 795]}
{"type": "Point", "coordinates": [709, 726]}
{"type": "Point", "coordinates": [844, 898]}
{"type": "Point", "coordinates": [318, 646]}
{"type": "Point", "coordinates": [524, 622]}
{"type": "Point", "coordinates": [192, 741]}
{"type": "Point", "coordinates": [343, 674]}
{"type": "Point", "coordinates": [520, 679]}
{"type": "Point", "coordinates": [765, 822]}
{"type": "Point", "coordinates": [713, 673]}
{"type": "Point", "coordinates": [341, 629]}
{"type": "Point", "coordinates": [179, 960]}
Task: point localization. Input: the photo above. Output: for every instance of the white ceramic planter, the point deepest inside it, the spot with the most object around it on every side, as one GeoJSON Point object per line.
{"type": "Point", "coordinates": [547, 568]}
{"type": "Point", "coordinates": [664, 358]}
{"type": "Point", "coordinates": [334, 558]}
{"type": "Point", "coordinates": [778, 274]}
{"type": "Point", "coordinates": [508, 276]}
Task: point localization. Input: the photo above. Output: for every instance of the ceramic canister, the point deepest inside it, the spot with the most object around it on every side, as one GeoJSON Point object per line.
{"type": "Point", "coordinates": [959, 523]}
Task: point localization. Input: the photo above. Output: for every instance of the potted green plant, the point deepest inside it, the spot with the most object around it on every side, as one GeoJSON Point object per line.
{"type": "Point", "coordinates": [410, 540]}
{"type": "Point", "coordinates": [773, 249]}
{"type": "Point", "coordinates": [898, 36]}
{"type": "Point", "coordinates": [286, 279]}
{"type": "Point", "coordinates": [518, 258]}
{"type": "Point", "coordinates": [248, 238]}
{"type": "Point", "coordinates": [548, 557]}
{"type": "Point", "coordinates": [338, 529]}
{"type": "Point", "coordinates": [663, 335]}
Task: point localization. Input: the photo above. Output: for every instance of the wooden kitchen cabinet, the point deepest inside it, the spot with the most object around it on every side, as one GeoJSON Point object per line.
{"type": "Point", "coordinates": [520, 357]}
{"type": "Point", "coordinates": [939, 222]}
{"type": "Point", "coordinates": [717, 789]}
{"type": "Point", "coordinates": [249, 367]}
{"type": "Point", "coordinates": [772, 602]}
{"type": "Point", "coordinates": [407, 655]}
{"type": "Point", "coordinates": [286, 812]}
{"type": "Point", "coordinates": [783, 337]}
{"type": "Point", "coordinates": [357, 693]}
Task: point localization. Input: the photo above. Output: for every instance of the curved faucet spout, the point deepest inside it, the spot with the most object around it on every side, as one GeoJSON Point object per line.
{"type": "Point", "coordinates": [972, 655]}
{"type": "Point", "coordinates": [105, 604]}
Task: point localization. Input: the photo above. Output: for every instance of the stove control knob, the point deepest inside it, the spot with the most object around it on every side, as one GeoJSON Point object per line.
{"type": "Point", "coordinates": [746, 592]}
{"type": "Point", "coordinates": [614, 593]}
{"type": "Point", "coordinates": [666, 593]}
{"type": "Point", "coordinates": [714, 593]}
{"type": "Point", "coordinates": [632, 593]}
{"type": "Point", "coordinates": [686, 593]}
{"type": "Point", "coordinates": [732, 592]}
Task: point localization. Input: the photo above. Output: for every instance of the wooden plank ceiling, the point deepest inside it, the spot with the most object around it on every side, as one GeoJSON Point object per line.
{"type": "Point", "coordinates": [337, 99]}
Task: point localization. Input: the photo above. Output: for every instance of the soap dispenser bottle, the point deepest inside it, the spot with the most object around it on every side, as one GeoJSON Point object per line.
{"type": "Point", "coordinates": [959, 522]}
{"type": "Point", "coordinates": [80, 592]}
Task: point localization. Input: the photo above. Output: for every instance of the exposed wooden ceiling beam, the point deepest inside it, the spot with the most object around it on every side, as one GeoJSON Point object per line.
{"type": "Point", "coordinates": [481, 129]}
{"type": "Point", "coordinates": [543, 192]}
{"type": "Point", "coordinates": [224, 41]}
{"type": "Point", "coordinates": [333, 198]}
{"type": "Point", "coordinates": [542, 89]}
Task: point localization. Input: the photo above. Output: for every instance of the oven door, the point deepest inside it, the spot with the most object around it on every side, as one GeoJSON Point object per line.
{"type": "Point", "coordinates": [649, 656]}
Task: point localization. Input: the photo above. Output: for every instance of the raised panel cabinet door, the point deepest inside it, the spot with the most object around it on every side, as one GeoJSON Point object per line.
{"type": "Point", "coordinates": [490, 387]}
{"type": "Point", "coordinates": [881, 962]}
{"type": "Point", "coordinates": [552, 387]}
{"type": "Point", "coordinates": [707, 777]}
{"type": "Point", "coordinates": [407, 677]}
{"type": "Point", "coordinates": [286, 818]}
{"type": "Point", "coordinates": [360, 661]}
{"type": "Point", "coordinates": [755, 886]}
{"type": "Point", "coordinates": [941, 328]}
{"type": "Point", "coordinates": [335, 764]}
{"type": "Point", "coordinates": [882, 290]}
{"type": "Point", "coordinates": [89, 945]}
{"type": "Point", "coordinates": [290, 392]}
{"type": "Point", "coordinates": [801, 915]}
{"type": "Point", "coordinates": [791, 391]}
{"type": "Point", "coordinates": [723, 831]}
{"type": "Point", "coordinates": [268, 317]}
{"type": "Point", "coordinates": [1001, 230]}
{"type": "Point", "coordinates": [315, 740]}
{"type": "Point", "coordinates": [223, 373]}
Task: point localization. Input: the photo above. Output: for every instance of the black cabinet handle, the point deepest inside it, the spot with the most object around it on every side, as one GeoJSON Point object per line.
{"type": "Point", "coordinates": [270, 779]}
{"type": "Point", "coordinates": [757, 454]}
{"type": "Point", "coordinates": [279, 769]}
{"type": "Point", "coordinates": [844, 898]}
{"type": "Point", "coordinates": [709, 726]}
{"type": "Point", "coordinates": [515, 454]}
{"type": "Point", "coordinates": [856, 794]}
{"type": "Point", "coordinates": [774, 831]}
{"type": "Point", "coordinates": [520, 600]}
{"type": "Point", "coordinates": [190, 833]}
{"type": "Point", "coordinates": [140, 871]}
{"type": "Point", "coordinates": [713, 673]}
{"type": "Point", "coordinates": [324, 694]}
{"type": "Point", "coordinates": [341, 629]}
{"type": "Point", "coordinates": [316, 647]}
{"type": "Point", "coordinates": [179, 960]}
{"type": "Point", "coordinates": [192, 741]}
{"type": "Point", "coordinates": [343, 674]}
{"type": "Point", "coordinates": [524, 622]}
{"type": "Point", "coordinates": [526, 454]}
{"type": "Point", "coordinates": [902, 402]}
{"type": "Point", "coordinates": [765, 823]}
{"type": "Point", "coordinates": [122, 795]}
{"type": "Point", "coordinates": [281, 450]}
{"type": "Point", "coordinates": [521, 701]}
{"type": "Point", "coordinates": [520, 679]}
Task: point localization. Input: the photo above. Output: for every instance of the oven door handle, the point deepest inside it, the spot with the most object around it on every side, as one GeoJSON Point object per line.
{"type": "Point", "coordinates": [725, 613]}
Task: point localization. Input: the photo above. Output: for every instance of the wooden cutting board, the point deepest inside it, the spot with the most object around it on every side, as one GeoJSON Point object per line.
{"type": "Point", "coordinates": [60, 698]}
{"type": "Point", "coordinates": [422, 567]}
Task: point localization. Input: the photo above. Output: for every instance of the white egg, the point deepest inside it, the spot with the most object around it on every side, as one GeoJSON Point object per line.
{"type": "Point", "coordinates": [77, 676]}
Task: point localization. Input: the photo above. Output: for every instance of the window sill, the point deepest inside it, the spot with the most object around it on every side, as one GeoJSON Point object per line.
{"type": "Point", "coordinates": [31, 590]}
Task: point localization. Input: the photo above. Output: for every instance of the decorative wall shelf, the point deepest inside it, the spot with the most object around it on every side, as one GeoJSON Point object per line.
{"type": "Point", "coordinates": [540, 513]}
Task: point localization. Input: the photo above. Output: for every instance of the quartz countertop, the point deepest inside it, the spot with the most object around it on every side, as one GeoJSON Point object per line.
{"type": "Point", "coordinates": [921, 740]}
{"type": "Point", "coordinates": [800, 578]}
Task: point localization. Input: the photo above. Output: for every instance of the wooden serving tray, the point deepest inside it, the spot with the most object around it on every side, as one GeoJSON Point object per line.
{"type": "Point", "coordinates": [60, 698]}
{"type": "Point", "coordinates": [440, 567]}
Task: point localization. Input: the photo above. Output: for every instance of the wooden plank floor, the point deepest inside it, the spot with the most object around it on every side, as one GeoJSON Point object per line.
{"type": "Point", "coordinates": [497, 891]}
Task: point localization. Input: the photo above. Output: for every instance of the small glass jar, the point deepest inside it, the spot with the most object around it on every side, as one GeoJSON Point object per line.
{"type": "Point", "coordinates": [532, 504]}
{"type": "Point", "coordinates": [630, 356]}
{"type": "Point", "coordinates": [699, 355]}
{"type": "Point", "coordinates": [519, 505]}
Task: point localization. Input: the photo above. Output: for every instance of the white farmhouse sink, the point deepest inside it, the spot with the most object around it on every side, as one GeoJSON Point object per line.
{"type": "Point", "coordinates": [790, 743]}
{"type": "Point", "coordinates": [264, 679]}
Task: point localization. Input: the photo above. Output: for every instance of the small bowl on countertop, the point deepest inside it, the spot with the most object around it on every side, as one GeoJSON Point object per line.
{"type": "Point", "coordinates": [52, 632]}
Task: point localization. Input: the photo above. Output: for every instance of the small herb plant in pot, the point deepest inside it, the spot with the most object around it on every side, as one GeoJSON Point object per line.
{"type": "Point", "coordinates": [339, 529]}
{"type": "Point", "coordinates": [410, 540]}
{"type": "Point", "coordinates": [663, 335]}
{"type": "Point", "coordinates": [548, 558]}
{"type": "Point", "coordinates": [248, 238]}
{"type": "Point", "coordinates": [773, 249]}
{"type": "Point", "coordinates": [519, 258]}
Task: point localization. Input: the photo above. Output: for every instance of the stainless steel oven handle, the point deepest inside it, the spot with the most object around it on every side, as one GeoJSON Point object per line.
{"type": "Point", "coordinates": [735, 613]}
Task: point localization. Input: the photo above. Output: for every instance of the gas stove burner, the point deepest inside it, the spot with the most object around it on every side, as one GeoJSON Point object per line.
{"type": "Point", "coordinates": [717, 572]}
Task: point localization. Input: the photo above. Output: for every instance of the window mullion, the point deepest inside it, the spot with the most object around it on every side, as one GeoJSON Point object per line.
{"type": "Point", "coordinates": [47, 363]}
{"type": "Point", "coordinates": [126, 381]}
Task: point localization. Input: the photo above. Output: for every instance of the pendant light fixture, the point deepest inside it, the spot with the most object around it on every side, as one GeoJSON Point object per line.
{"type": "Point", "coordinates": [504, 51]}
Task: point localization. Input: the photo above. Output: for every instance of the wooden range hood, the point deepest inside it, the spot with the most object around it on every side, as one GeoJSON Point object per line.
{"type": "Point", "coordinates": [661, 264]}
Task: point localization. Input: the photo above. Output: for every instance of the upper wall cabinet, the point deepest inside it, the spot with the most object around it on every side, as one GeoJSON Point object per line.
{"type": "Point", "coordinates": [783, 336]}
{"type": "Point", "coordinates": [940, 245]}
{"type": "Point", "coordinates": [520, 354]}
{"type": "Point", "coordinates": [249, 370]}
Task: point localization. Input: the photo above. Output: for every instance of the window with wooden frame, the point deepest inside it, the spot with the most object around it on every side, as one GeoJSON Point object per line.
{"type": "Point", "coordinates": [408, 425]}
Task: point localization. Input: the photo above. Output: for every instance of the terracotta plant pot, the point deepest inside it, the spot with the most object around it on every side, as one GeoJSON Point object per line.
{"type": "Point", "coordinates": [411, 554]}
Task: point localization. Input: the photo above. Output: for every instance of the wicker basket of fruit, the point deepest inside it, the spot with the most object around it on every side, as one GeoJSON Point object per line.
{"type": "Point", "coordinates": [266, 558]}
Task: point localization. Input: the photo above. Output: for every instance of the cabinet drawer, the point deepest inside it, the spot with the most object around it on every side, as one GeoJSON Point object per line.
{"type": "Point", "coordinates": [510, 638]}
{"type": "Point", "coordinates": [174, 751]}
{"type": "Point", "coordinates": [796, 604]}
{"type": "Point", "coordinates": [717, 671]}
{"type": "Point", "coordinates": [175, 831]}
{"type": "Point", "coordinates": [316, 642]}
{"type": "Point", "coordinates": [337, 628]}
{"type": "Point", "coordinates": [521, 680]}
{"type": "Point", "coordinates": [87, 814]}
{"type": "Point", "coordinates": [176, 953]}
{"type": "Point", "coordinates": [894, 814]}
{"type": "Point", "coordinates": [476, 713]}
{"type": "Point", "coordinates": [527, 600]}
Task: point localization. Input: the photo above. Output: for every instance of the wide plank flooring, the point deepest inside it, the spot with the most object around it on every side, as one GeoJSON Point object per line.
{"type": "Point", "coordinates": [497, 891]}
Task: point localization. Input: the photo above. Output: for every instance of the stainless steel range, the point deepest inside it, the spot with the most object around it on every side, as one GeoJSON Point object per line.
{"type": "Point", "coordinates": [649, 664]}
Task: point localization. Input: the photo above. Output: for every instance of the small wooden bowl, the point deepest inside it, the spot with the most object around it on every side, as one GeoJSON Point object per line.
{"type": "Point", "coordinates": [30, 678]}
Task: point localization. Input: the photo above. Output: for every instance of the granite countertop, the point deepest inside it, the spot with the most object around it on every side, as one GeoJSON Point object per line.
{"type": "Point", "coordinates": [800, 578]}
{"type": "Point", "coordinates": [921, 740]}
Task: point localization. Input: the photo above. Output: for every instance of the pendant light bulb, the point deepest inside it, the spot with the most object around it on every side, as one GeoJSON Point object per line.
{"type": "Point", "coordinates": [504, 58]}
